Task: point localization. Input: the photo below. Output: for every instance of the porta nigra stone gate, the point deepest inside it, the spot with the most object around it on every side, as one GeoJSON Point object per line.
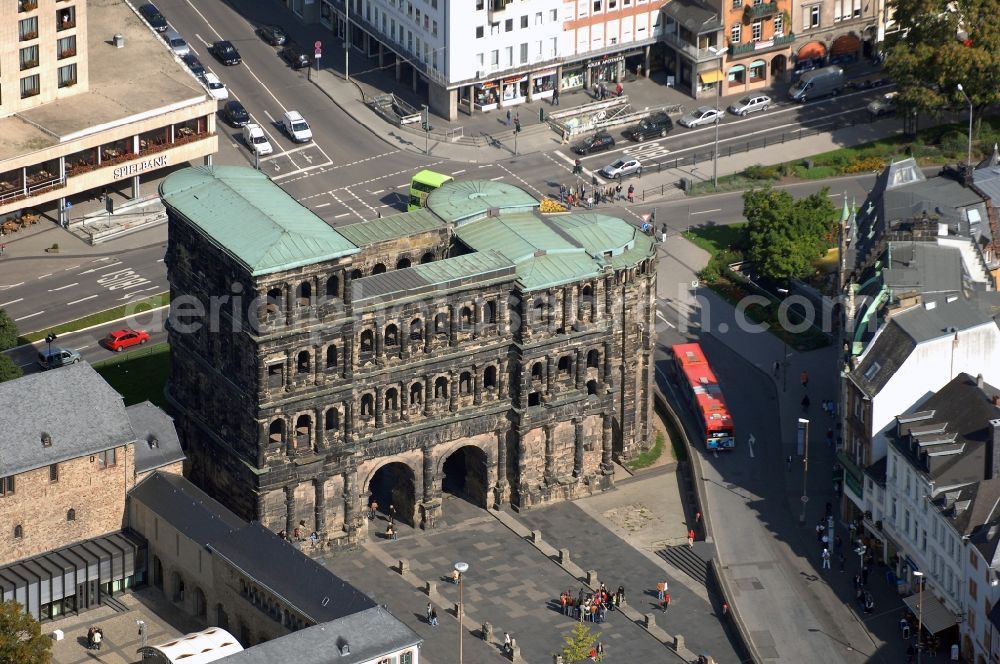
{"type": "Point", "coordinates": [476, 346]}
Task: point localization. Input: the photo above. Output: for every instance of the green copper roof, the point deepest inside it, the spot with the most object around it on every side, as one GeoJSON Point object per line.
{"type": "Point", "coordinates": [388, 228]}
{"type": "Point", "coordinates": [252, 219]}
{"type": "Point", "coordinates": [469, 199]}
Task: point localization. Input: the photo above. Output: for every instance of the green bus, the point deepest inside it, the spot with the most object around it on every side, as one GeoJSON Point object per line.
{"type": "Point", "coordinates": [422, 184]}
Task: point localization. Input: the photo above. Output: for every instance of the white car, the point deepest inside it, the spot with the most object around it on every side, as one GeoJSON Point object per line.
{"type": "Point", "coordinates": [702, 115]}
{"type": "Point", "coordinates": [621, 168]}
{"type": "Point", "coordinates": [215, 87]}
{"type": "Point", "coordinates": [296, 127]}
{"type": "Point", "coordinates": [256, 139]}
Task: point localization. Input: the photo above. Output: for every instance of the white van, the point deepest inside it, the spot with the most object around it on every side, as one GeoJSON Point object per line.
{"type": "Point", "coordinates": [256, 139]}
{"type": "Point", "coordinates": [296, 127]}
{"type": "Point", "coordinates": [818, 83]}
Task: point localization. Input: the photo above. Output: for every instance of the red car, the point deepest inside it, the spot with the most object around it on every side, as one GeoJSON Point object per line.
{"type": "Point", "coordinates": [119, 340]}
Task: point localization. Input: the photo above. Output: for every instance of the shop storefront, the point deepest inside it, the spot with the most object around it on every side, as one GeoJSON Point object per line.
{"type": "Point", "coordinates": [606, 69]}
{"type": "Point", "coordinates": [573, 77]}
{"type": "Point", "coordinates": [514, 90]}
{"type": "Point", "coordinates": [543, 84]}
{"type": "Point", "coordinates": [487, 96]}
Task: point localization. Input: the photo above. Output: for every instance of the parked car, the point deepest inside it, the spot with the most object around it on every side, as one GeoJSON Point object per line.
{"type": "Point", "coordinates": [818, 83]}
{"type": "Point", "coordinates": [599, 142]}
{"type": "Point", "coordinates": [295, 56]}
{"type": "Point", "coordinates": [226, 53]}
{"type": "Point", "coordinates": [194, 64]}
{"type": "Point", "coordinates": [273, 34]}
{"type": "Point", "coordinates": [702, 115]}
{"type": "Point", "coordinates": [176, 43]}
{"type": "Point", "coordinates": [622, 168]}
{"type": "Point", "coordinates": [215, 87]}
{"type": "Point", "coordinates": [296, 127]}
{"type": "Point", "coordinates": [235, 114]}
{"type": "Point", "coordinates": [55, 357]}
{"type": "Point", "coordinates": [749, 104]}
{"type": "Point", "coordinates": [153, 17]}
{"type": "Point", "coordinates": [256, 139]}
{"type": "Point", "coordinates": [657, 124]}
{"type": "Point", "coordinates": [884, 105]}
{"type": "Point", "coordinates": [119, 340]}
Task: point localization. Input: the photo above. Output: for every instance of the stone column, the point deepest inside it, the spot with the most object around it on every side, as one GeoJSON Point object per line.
{"type": "Point", "coordinates": [452, 392]}
{"type": "Point", "coordinates": [503, 315]}
{"type": "Point", "coordinates": [548, 376]}
{"type": "Point", "coordinates": [428, 333]}
{"type": "Point", "coordinates": [477, 385]}
{"type": "Point", "coordinates": [428, 460]}
{"type": "Point", "coordinates": [319, 488]}
{"type": "Point", "coordinates": [350, 499]}
{"type": "Point", "coordinates": [404, 401]}
{"type": "Point", "coordinates": [609, 297]}
{"type": "Point", "coordinates": [348, 346]}
{"type": "Point", "coordinates": [502, 379]}
{"type": "Point", "coordinates": [262, 375]}
{"type": "Point", "coordinates": [379, 406]}
{"type": "Point", "coordinates": [577, 447]}
{"type": "Point", "coordinates": [289, 370]}
{"type": "Point", "coordinates": [428, 394]}
{"type": "Point", "coordinates": [500, 495]}
{"type": "Point", "coordinates": [319, 364]}
{"type": "Point", "coordinates": [581, 369]}
{"type": "Point", "coordinates": [550, 453]}
{"type": "Point", "coordinates": [289, 509]}
{"type": "Point", "coordinates": [379, 342]}
{"type": "Point", "coordinates": [608, 374]}
{"type": "Point", "coordinates": [320, 429]}
{"type": "Point", "coordinates": [452, 324]}
{"type": "Point", "coordinates": [567, 308]}
{"type": "Point", "coordinates": [606, 466]}
{"type": "Point", "coordinates": [348, 292]}
{"type": "Point", "coordinates": [349, 422]}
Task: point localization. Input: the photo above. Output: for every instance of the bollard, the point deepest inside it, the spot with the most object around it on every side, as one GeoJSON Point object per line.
{"type": "Point", "coordinates": [404, 566]}
{"type": "Point", "coordinates": [515, 652]}
{"type": "Point", "coordinates": [557, 659]}
{"type": "Point", "coordinates": [430, 588]}
{"type": "Point", "coordinates": [678, 644]}
{"type": "Point", "coordinates": [456, 609]}
{"type": "Point", "coordinates": [486, 631]}
{"type": "Point", "coordinates": [592, 578]}
{"type": "Point", "coordinates": [649, 621]}
{"type": "Point", "coordinates": [536, 536]}
{"type": "Point", "coordinates": [563, 556]}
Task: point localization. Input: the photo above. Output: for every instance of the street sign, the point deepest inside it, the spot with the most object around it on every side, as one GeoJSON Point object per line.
{"type": "Point", "coordinates": [318, 49]}
{"type": "Point", "coordinates": [804, 499]}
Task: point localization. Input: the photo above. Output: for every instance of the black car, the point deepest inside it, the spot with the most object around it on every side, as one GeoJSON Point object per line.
{"type": "Point", "coordinates": [235, 114]}
{"type": "Point", "coordinates": [194, 64]}
{"type": "Point", "coordinates": [273, 34]}
{"type": "Point", "coordinates": [597, 143]}
{"type": "Point", "coordinates": [153, 17]}
{"type": "Point", "coordinates": [226, 53]}
{"type": "Point", "coordinates": [294, 55]}
{"type": "Point", "coordinates": [657, 124]}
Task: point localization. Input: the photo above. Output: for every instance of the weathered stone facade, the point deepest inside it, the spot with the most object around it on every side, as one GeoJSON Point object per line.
{"type": "Point", "coordinates": [318, 386]}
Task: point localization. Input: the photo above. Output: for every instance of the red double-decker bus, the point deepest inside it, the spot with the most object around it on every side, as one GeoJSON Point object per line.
{"type": "Point", "coordinates": [703, 391]}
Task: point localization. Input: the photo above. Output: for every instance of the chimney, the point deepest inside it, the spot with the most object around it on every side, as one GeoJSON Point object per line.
{"type": "Point", "coordinates": [995, 449]}
{"type": "Point", "coordinates": [979, 381]}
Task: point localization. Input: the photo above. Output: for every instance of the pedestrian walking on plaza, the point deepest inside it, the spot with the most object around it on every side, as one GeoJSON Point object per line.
{"type": "Point", "coordinates": [690, 538]}
{"type": "Point", "coordinates": [555, 96]}
{"type": "Point", "coordinates": [392, 513]}
{"type": "Point", "coordinates": [666, 602]}
{"type": "Point", "coordinates": [804, 377]}
{"type": "Point", "coordinates": [869, 603]}
{"type": "Point", "coordinates": [618, 191]}
{"type": "Point", "coordinates": [506, 643]}
{"type": "Point", "coordinates": [826, 558]}
{"type": "Point", "coordinates": [430, 610]}
{"type": "Point", "coordinates": [660, 589]}
{"type": "Point", "coordinates": [631, 193]}
{"type": "Point", "coordinates": [619, 90]}
{"type": "Point", "coordinates": [819, 531]}
{"type": "Point", "coordinates": [508, 117]}
{"type": "Point", "coordinates": [788, 462]}
{"type": "Point", "coordinates": [904, 627]}
{"type": "Point", "coordinates": [775, 368]}
{"type": "Point", "coordinates": [434, 617]}
{"type": "Point", "coordinates": [620, 596]}
{"type": "Point", "coordinates": [372, 509]}
{"type": "Point", "coordinates": [663, 233]}
{"type": "Point", "coordinates": [805, 403]}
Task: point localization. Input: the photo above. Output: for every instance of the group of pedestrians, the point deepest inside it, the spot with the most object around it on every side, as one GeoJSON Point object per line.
{"type": "Point", "coordinates": [591, 606]}
{"type": "Point", "coordinates": [578, 195]}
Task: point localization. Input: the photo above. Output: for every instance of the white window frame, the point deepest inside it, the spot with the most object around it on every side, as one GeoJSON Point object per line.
{"type": "Point", "coordinates": [736, 33]}
{"type": "Point", "coordinates": [756, 31]}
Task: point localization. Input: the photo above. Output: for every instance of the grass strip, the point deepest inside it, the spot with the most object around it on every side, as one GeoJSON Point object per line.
{"type": "Point", "coordinates": [139, 375]}
{"type": "Point", "coordinates": [115, 313]}
{"type": "Point", "coordinates": [649, 457]}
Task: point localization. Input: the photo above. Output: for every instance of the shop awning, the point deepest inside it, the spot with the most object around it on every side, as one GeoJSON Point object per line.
{"type": "Point", "coordinates": [934, 616]}
{"type": "Point", "coordinates": [713, 76]}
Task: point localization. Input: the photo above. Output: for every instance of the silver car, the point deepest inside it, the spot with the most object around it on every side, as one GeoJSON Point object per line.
{"type": "Point", "coordinates": [749, 104]}
{"type": "Point", "coordinates": [52, 358]}
{"type": "Point", "coordinates": [884, 105]}
{"type": "Point", "coordinates": [621, 168]}
{"type": "Point", "coordinates": [702, 115]}
{"type": "Point", "coordinates": [176, 43]}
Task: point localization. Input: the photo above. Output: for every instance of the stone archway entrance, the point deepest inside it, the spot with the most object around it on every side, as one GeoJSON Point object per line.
{"type": "Point", "coordinates": [394, 484]}
{"type": "Point", "coordinates": [778, 65]}
{"type": "Point", "coordinates": [465, 475]}
{"type": "Point", "coordinates": [617, 441]}
{"type": "Point", "coordinates": [157, 573]}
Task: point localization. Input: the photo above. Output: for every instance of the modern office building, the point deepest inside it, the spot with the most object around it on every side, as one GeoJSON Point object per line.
{"type": "Point", "coordinates": [90, 98]}
{"type": "Point", "coordinates": [476, 346]}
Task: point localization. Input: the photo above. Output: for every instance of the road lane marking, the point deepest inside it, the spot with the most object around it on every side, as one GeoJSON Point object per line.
{"type": "Point", "coordinates": [45, 275]}
{"type": "Point", "coordinates": [53, 290]}
{"type": "Point", "coordinates": [342, 215]}
{"type": "Point", "coordinates": [82, 299]}
{"type": "Point", "coordinates": [376, 193]}
{"type": "Point", "coordinates": [37, 313]}
{"type": "Point", "coordinates": [750, 441]}
{"type": "Point", "coordinates": [461, 170]}
{"type": "Point", "coordinates": [499, 177]}
{"type": "Point", "coordinates": [66, 269]}
{"type": "Point", "coordinates": [322, 205]}
{"type": "Point", "coordinates": [706, 211]}
{"type": "Point", "coordinates": [4, 304]}
{"type": "Point", "coordinates": [664, 319]}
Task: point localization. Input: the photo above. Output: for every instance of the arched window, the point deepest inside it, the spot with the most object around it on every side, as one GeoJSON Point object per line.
{"type": "Point", "coordinates": [565, 362]}
{"type": "Point", "coordinates": [333, 286]}
{"type": "Point", "coordinates": [587, 300]}
{"type": "Point", "coordinates": [416, 330]}
{"type": "Point", "coordinates": [593, 359]}
{"type": "Point", "coordinates": [465, 383]}
{"type": "Point", "coordinates": [465, 317]}
{"type": "Point", "coordinates": [403, 263]}
{"type": "Point", "coordinates": [537, 371]}
{"type": "Point", "coordinates": [356, 273]}
{"type": "Point", "coordinates": [303, 294]}
{"type": "Point", "coordinates": [332, 420]}
{"type": "Point", "coordinates": [276, 431]}
{"type": "Point", "coordinates": [274, 300]}
{"type": "Point", "coordinates": [427, 258]}
{"type": "Point", "coordinates": [71, 514]}
{"type": "Point", "coordinates": [367, 341]}
{"type": "Point", "coordinates": [18, 531]}
{"type": "Point", "coordinates": [379, 268]}
{"type": "Point", "coordinates": [392, 399]}
{"type": "Point", "coordinates": [441, 388]}
{"type": "Point", "coordinates": [417, 394]}
{"type": "Point", "coordinates": [539, 310]}
{"type": "Point", "coordinates": [441, 323]}
{"type": "Point", "coordinates": [391, 336]}
{"type": "Point", "coordinates": [490, 377]}
{"type": "Point", "coordinates": [489, 312]}
{"type": "Point", "coordinates": [367, 406]}
{"type": "Point", "coordinates": [331, 357]}
{"type": "Point", "coordinates": [303, 424]}
{"type": "Point", "coordinates": [592, 387]}
{"type": "Point", "coordinates": [302, 362]}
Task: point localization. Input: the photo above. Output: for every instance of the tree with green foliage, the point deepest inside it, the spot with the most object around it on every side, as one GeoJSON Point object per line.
{"type": "Point", "coordinates": [579, 643]}
{"type": "Point", "coordinates": [929, 63]}
{"type": "Point", "coordinates": [8, 331]}
{"type": "Point", "coordinates": [9, 370]}
{"type": "Point", "coordinates": [21, 638]}
{"type": "Point", "coordinates": [784, 237]}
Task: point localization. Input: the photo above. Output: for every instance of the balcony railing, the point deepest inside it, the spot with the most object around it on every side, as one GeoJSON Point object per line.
{"type": "Point", "coordinates": [692, 51]}
{"type": "Point", "coordinates": [761, 46]}
{"type": "Point", "coordinates": [764, 9]}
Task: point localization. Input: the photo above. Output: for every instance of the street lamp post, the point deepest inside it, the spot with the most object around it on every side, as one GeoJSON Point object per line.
{"type": "Point", "coordinates": [715, 154]}
{"type": "Point", "coordinates": [920, 612]}
{"type": "Point", "coordinates": [968, 162]}
{"type": "Point", "coordinates": [347, 38]}
{"type": "Point", "coordinates": [461, 568]}
{"type": "Point", "coordinates": [804, 423]}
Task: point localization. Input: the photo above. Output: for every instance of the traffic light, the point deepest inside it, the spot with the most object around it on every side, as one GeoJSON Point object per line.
{"type": "Point", "coordinates": [517, 126]}
{"type": "Point", "coordinates": [50, 337]}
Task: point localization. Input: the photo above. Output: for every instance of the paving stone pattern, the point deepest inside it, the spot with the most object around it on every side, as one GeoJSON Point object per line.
{"type": "Point", "coordinates": [509, 584]}
{"type": "Point", "coordinates": [593, 546]}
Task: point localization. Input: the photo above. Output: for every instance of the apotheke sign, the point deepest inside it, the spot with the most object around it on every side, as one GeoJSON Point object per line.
{"type": "Point", "coordinates": [141, 166]}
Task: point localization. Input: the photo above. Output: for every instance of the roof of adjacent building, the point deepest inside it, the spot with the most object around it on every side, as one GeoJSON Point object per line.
{"type": "Point", "coordinates": [373, 231]}
{"type": "Point", "coordinates": [74, 406]}
{"type": "Point", "coordinates": [243, 213]}
{"type": "Point", "coordinates": [208, 645]}
{"type": "Point", "coordinates": [923, 267]}
{"type": "Point", "coordinates": [693, 15]}
{"type": "Point", "coordinates": [464, 200]}
{"type": "Point", "coordinates": [188, 509]}
{"type": "Point", "coordinates": [368, 636]}
{"type": "Point", "coordinates": [456, 273]}
{"type": "Point", "coordinates": [157, 443]}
